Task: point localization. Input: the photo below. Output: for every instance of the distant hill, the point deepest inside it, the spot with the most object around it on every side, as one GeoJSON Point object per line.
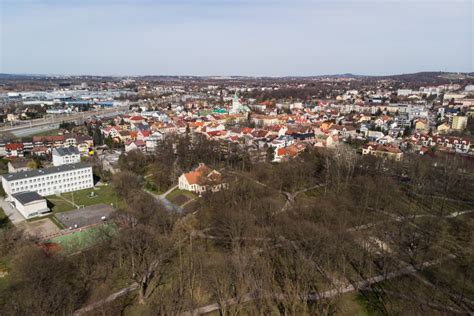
{"type": "Point", "coordinates": [410, 77]}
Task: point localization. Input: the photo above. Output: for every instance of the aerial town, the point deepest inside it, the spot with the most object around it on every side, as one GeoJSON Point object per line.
{"type": "Point", "coordinates": [231, 157]}
{"type": "Point", "coordinates": [82, 156]}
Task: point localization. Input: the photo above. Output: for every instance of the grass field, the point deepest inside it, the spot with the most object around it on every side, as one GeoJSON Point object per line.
{"type": "Point", "coordinates": [150, 186]}
{"type": "Point", "coordinates": [103, 194]}
{"type": "Point", "coordinates": [80, 240]}
{"type": "Point", "coordinates": [52, 132]}
{"type": "Point", "coordinates": [177, 192]}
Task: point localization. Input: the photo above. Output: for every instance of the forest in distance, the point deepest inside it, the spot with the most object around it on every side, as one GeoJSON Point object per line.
{"type": "Point", "coordinates": [330, 232]}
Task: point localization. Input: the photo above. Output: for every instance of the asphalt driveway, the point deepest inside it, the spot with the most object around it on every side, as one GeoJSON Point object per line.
{"type": "Point", "coordinates": [12, 213]}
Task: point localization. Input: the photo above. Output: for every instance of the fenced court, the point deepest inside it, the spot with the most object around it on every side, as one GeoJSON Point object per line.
{"type": "Point", "coordinates": [86, 216]}
{"type": "Point", "coordinates": [83, 238]}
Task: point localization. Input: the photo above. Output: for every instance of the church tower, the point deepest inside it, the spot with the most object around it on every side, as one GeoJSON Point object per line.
{"type": "Point", "coordinates": [236, 105]}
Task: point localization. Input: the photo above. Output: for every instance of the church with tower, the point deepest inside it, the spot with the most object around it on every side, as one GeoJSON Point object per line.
{"type": "Point", "coordinates": [238, 107]}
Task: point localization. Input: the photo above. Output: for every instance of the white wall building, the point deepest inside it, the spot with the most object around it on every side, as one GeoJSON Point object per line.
{"type": "Point", "coordinates": [202, 179]}
{"type": "Point", "coordinates": [66, 156]}
{"type": "Point", "coordinates": [30, 204]}
{"type": "Point", "coordinates": [49, 181]}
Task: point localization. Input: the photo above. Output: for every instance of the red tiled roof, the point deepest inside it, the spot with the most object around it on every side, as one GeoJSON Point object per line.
{"type": "Point", "coordinates": [39, 149]}
{"type": "Point", "coordinates": [55, 138]}
{"type": "Point", "coordinates": [202, 174]}
{"type": "Point", "coordinates": [14, 146]}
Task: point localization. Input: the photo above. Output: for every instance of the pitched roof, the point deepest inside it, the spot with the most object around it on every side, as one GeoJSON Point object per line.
{"type": "Point", "coordinates": [19, 163]}
{"type": "Point", "coordinates": [14, 146]}
{"type": "Point", "coordinates": [202, 174]}
{"type": "Point", "coordinates": [54, 138]}
{"type": "Point", "coordinates": [39, 149]}
{"type": "Point", "coordinates": [45, 171]}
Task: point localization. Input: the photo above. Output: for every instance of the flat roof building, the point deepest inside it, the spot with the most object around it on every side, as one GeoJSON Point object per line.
{"type": "Point", "coordinates": [30, 204]}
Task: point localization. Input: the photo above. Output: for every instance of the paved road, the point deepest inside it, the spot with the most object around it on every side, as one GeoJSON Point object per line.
{"type": "Point", "coordinates": [167, 203]}
{"type": "Point", "coordinates": [111, 298]}
{"type": "Point", "coordinates": [327, 294]}
{"type": "Point", "coordinates": [162, 196]}
{"type": "Point", "coordinates": [15, 217]}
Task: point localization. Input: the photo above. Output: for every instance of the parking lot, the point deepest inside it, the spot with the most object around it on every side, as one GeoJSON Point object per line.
{"type": "Point", "coordinates": [85, 216]}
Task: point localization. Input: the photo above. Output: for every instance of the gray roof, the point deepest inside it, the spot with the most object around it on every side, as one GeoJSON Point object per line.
{"type": "Point", "coordinates": [66, 151]}
{"type": "Point", "coordinates": [46, 171]}
{"type": "Point", "coordinates": [19, 163]}
{"type": "Point", "coordinates": [27, 197]}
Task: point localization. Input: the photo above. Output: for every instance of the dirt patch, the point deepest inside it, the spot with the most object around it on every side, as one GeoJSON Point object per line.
{"type": "Point", "coordinates": [40, 228]}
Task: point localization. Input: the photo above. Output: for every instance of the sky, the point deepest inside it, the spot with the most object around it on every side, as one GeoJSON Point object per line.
{"type": "Point", "coordinates": [235, 37]}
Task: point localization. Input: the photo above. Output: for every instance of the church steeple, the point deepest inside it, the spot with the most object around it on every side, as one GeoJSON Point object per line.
{"type": "Point", "coordinates": [236, 105]}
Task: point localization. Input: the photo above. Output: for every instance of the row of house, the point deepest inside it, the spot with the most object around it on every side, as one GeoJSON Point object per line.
{"type": "Point", "coordinates": [43, 145]}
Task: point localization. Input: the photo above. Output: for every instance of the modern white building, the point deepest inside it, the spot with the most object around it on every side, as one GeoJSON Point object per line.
{"type": "Point", "coordinates": [66, 156]}
{"type": "Point", "coordinates": [49, 181]}
{"type": "Point", "coordinates": [152, 141]}
{"type": "Point", "coordinates": [30, 204]}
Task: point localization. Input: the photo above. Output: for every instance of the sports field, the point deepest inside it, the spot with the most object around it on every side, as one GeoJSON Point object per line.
{"type": "Point", "coordinates": [73, 200]}
{"type": "Point", "coordinates": [87, 216]}
{"type": "Point", "coordinates": [84, 238]}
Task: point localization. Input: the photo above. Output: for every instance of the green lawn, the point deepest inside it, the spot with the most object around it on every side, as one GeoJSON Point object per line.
{"type": "Point", "coordinates": [52, 132]}
{"type": "Point", "coordinates": [150, 186]}
{"type": "Point", "coordinates": [103, 194]}
{"type": "Point", "coordinates": [80, 240]}
{"type": "Point", "coordinates": [177, 192]}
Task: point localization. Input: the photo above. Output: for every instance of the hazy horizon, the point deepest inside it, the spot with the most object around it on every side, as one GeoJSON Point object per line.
{"type": "Point", "coordinates": [235, 37]}
{"type": "Point", "coordinates": [225, 76]}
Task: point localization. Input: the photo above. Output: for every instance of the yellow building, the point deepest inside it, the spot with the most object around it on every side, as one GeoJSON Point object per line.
{"type": "Point", "coordinates": [383, 151]}
{"type": "Point", "coordinates": [421, 124]}
{"type": "Point", "coordinates": [443, 128]}
{"type": "Point", "coordinates": [459, 123]}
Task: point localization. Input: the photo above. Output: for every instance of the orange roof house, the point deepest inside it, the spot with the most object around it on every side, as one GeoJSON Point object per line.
{"type": "Point", "coordinates": [202, 179]}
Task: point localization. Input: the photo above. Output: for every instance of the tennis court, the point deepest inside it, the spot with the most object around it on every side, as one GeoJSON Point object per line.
{"type": "Point", "coordinates": [82, 239]}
